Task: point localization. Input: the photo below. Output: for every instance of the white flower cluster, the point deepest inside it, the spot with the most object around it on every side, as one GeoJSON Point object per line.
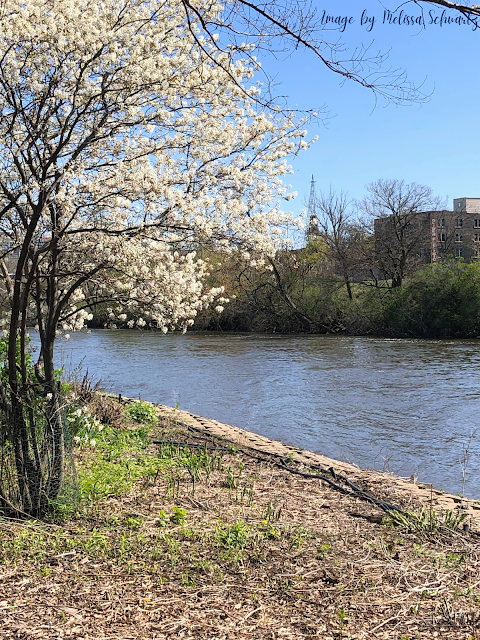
{"type": "Point", "coordinates": [86, 426]}
{"type": "Point", "coordinates": [127, 139]}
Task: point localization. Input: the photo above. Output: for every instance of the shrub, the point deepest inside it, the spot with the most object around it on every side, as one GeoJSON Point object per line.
{"type": "Point", "coordinates": [439, 301]}
{"type": "Point", "coordinates": [142, 412]}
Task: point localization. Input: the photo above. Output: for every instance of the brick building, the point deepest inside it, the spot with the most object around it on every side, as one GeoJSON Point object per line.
{"type": "Point", "coordinates": [429, 236]}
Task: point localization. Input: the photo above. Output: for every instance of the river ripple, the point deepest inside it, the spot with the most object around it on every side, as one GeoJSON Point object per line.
{"type": "Point", "coordinates": [409, 406]}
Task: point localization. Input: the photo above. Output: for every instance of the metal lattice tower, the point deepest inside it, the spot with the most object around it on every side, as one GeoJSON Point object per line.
{"type": "Point", "coordinates": [312, 230]}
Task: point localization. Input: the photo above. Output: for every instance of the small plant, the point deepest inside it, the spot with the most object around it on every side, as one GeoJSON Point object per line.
{"type": "Point", "coordinates": [133, 522]}
{"type": "Point", "coordinates": [174, 478]}
{"type": "Point", "coordinates": [271, 513]}
{"type": "Point", "coordinates": [187, 580]}
{"type": "Point", "coordinates": [142, 412]}
{"type": "Point", "coordinates": [234, 537]}
{"type": "Point", "coordinates": [454, 559]}
{"type": "Point", "coordinates": [162, 518]}
{"type": "Point", "coordinates": [298, 536]}
{"type": "Point", "coordinates": [323, 550]}
{"type": "Point", "coordinates": [178, 516]}
{"type": "Point", "coordinates": [453, 520]}
{"type": "Point", "coordinates": [465, 459]}
{"type": "Point", "coordinates": [269, 531]}
{"type": "Point", "coordinates": [245, 496]}
{"type": "Point", "coordinates": [231, 481]}
{"type": "Point", "coordinates": [426, 520]}
{"type": "Point", "coordinates": [342, 620]}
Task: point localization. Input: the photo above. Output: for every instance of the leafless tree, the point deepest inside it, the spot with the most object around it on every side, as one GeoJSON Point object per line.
{"type": "Point", "coordinates": [285, 25]}
{"type": "Point", "coordinates": [276, 26]}
{"type": "Point", "coordinates": [341, 234]}
{"type": "Point", "coordinates": [394, 209]}
{"type": "Point", "coordinates": [472, 11]}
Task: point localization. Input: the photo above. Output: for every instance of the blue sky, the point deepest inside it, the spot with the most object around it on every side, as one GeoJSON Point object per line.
{"type": "Point", "coordinates": [436, 143]}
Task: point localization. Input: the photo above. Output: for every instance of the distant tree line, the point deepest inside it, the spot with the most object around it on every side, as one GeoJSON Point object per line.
{"type": "Point", "coordinates": [349, 280]}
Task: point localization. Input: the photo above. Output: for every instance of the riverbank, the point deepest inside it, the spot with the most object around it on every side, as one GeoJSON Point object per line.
{"type": "Point", "coordinates": [410, 489]}
{"type": "Point", "coordinates": [393, 405]}
{"type": "Point", "coordinates": [183, 534]}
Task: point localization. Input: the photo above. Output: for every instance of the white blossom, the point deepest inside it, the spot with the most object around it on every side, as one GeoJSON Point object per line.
{"type": "Point", "coordinates": [123, 201]}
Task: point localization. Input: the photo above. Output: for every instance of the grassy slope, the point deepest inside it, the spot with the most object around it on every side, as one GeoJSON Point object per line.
{"type": "Point", "coordinates": [173, 542]}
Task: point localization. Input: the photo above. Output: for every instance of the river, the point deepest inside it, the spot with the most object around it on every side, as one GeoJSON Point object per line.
{"type": "Point", "coordinates": [407, 406]}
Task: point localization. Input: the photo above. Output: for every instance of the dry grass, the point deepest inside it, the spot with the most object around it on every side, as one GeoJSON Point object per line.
{"type": "Point", "coordinates": [248, 550]}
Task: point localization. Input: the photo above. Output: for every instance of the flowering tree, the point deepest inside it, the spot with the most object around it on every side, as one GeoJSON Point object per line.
{"type": "Point", "coordinates": [127, 137]}
{"type": "Point", "coordinates": [129, 133]}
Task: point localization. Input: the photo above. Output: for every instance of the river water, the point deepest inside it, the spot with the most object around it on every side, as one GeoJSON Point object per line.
{"type": "Point", "coordinates": [407, 406]}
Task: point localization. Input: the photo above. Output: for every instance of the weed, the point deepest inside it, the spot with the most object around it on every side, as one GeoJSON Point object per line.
{"type": "Point", "coordinates": [142, 412]}
{"type": "Point", "coordinates": [269, 531]}
{"type": "Point", "coordinates": [132, 522]}
{"type": "Point", "coordinates": [173, 550]}
{"type": "Point", "coordinates": [187, 580]}
{"type": "Point", "coordinates": [298, 536]}
{"type": "Point", "coordinates": [96, 544]}
{"type": "Point", "coordinates": [117, 462]}
{"type": "Point", "coordinates": [205, 566]}
{"type": "Point", "coordinates": [323, 550]}
{"type": "Point", "coordinates": [103, 479]}
{"type": "Point", "coordinates": [426, 520]}
{"type": "Point", "coordinates": [178, 516]}
{"type": "Point", "coordinates": [231, 481]}
{"type": "Point", "coordinates": [162, 518]}
{"type": "Point", "coordinates": [233, 537]}
{"type": "Point", "coordinates": [454, 559]}
{"type": "Point", "coordinates": [45, 571]}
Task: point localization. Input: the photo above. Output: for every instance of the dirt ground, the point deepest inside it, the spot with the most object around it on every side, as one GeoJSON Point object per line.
{"type": "Point", "coordinates": [232, 542]}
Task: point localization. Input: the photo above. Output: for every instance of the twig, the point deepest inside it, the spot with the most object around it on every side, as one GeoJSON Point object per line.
{"type": "Point", "coordinates": [383, 623]}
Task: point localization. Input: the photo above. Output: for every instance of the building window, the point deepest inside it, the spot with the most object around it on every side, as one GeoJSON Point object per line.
{"type": "Point", "coordinates": [442, 236]}
{"type": "Point", "coordinates": [476, 254]}
{"type": "Point", "coordinates": [459, 223]}
{"type": "Point", "coordinates": [458, 237]}
{"type": "Point", "coordinates": [476, 223]}
{"type": "Point", "coordinates": [458, 252]}
{"type": "Point", "coordinates": [476, 237]}
{"type": "Point", "coordinates": [441, 222]}
{"type": "Point", "coordinates": [423, 253]}
{"type": "Point", "coordinates": [459, 204]}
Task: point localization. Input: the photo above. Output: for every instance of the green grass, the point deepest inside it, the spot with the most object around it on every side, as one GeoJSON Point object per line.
{"type": "Point", "coordinates": [118, 460]}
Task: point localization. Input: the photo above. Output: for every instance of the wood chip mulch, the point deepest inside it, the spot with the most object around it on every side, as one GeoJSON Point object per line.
{"type": "Point", "coordinates": [257, 553]}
